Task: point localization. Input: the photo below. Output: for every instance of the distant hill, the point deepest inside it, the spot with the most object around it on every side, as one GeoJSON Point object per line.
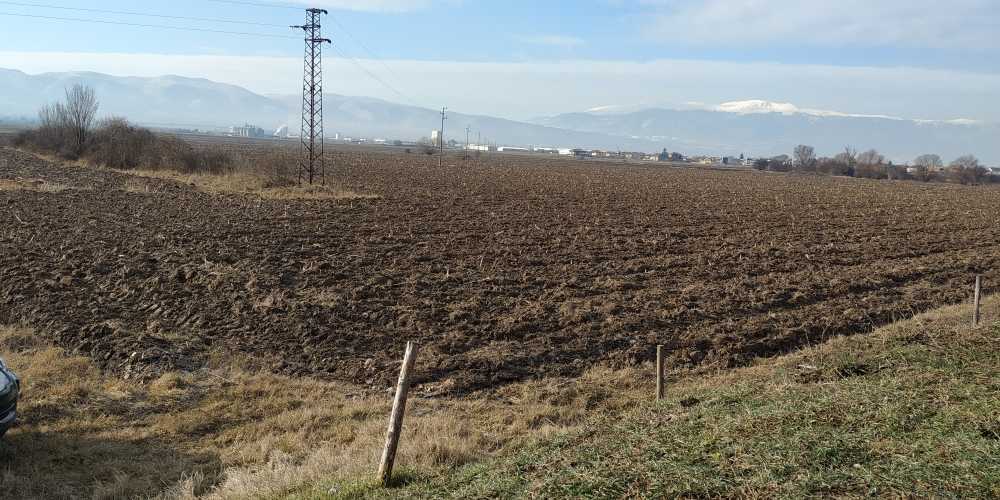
{"type": "Point", "coordinates": [754, 128]}
{"type": "Point", "coordinates": [173, 101]}
{"type": "Point", "coordinates": [166, 100]}
{"type": "Point", "coordinates": [758, 128]}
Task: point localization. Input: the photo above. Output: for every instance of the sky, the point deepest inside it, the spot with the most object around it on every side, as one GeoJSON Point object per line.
{"type": "Point", "coordinates": [521, 59]}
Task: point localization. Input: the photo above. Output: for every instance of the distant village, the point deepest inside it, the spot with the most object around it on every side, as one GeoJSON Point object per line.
{"type": "Point", "coordinates": [434, 141]}
{"type": "Point", "coordinates": [432, 144]}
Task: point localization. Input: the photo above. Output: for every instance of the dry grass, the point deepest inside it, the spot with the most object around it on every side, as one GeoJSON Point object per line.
{"type": "Point", "coordinates": [265, 186]}
{"type": "Point", "coordinates": [252, 184]}
{"type": "Point", "coordinates": [227, 433]}
{"type": "Point", "coordinates": [37, 185]}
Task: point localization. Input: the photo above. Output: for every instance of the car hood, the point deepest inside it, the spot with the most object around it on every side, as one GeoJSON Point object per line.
{"type": "Point", "coordinates": [8, 381]}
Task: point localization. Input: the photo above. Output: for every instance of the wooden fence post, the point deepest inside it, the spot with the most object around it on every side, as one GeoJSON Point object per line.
{"type": "Point", "coordinates": [660, 389]}
{"type": "Point", "coordinates": [976, 301]}
{"type": "Point", "coordinates": [396, 418]}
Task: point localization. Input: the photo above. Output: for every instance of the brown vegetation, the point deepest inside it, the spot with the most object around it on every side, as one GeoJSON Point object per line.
{"type": "Point", "coordinates": [505, 271]}
{"type": "Point", "coordinates": [871, 164]}
{"type": "Point", "coordinates": [228, 433]}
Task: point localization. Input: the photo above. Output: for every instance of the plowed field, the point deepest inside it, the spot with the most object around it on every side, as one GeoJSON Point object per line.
{"type": "Point", "coordinates": [502, 269]}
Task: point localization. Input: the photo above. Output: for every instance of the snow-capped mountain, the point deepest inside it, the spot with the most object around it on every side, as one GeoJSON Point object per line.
{"type": "Point", "coordinates": [752, 127]}
{"type": "Point", "coordinates": [758, 106]}
{"type": "Point", "coordinates": [761, 128]}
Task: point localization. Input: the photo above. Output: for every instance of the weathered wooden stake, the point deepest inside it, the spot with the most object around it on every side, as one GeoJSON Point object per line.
{"type": "Point", "coordinates": [976, 301]}
{"type": "Point", "coordinates": [396, 419]}
{"type": "Point", "coordinates": [661, 390]}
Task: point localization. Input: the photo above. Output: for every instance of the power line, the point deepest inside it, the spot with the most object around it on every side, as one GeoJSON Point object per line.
{"type": "Point", "coordinates": [141, 25]}
{"type": "Point", "coordinates": [372, 75]}
{"type": "Point", "coordinates": [365, 48]}
{"type": "Point", "coordinates": [257, 4]}
{"type": "Point", "coordinates": [339, 52]}
{"type": "Point", "coordinates": [143, 14]}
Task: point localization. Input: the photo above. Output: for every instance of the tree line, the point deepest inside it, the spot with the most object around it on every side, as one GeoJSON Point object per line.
{"type": "Point", "coordinates": [873, 165]}
{"type": "Point", "coordinates": [70, 129]}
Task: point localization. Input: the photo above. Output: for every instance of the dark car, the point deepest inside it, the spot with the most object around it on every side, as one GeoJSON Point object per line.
{"type": "Point", "coordinates": [10, 389]}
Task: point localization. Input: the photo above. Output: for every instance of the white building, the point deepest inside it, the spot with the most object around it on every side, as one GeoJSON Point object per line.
{"type": "Point", "coordinates": [247, 130]}
{"type": "Point", "coordinates": [436, 138]}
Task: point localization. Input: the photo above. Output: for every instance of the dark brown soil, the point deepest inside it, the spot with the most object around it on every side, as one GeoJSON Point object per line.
{"type": "Point", "coordinates": [502, 269]}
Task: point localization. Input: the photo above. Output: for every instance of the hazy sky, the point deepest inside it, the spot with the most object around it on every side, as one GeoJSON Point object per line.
{"type": "Point", "coordinates": [524, 58]}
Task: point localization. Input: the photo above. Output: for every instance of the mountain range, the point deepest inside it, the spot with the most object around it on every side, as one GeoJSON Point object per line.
{"type": "Point", "coordinates": [753, 127]}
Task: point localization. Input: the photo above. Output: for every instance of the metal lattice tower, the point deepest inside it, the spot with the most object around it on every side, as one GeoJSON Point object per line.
{"type": "Point", "coordinates": [312, 166]}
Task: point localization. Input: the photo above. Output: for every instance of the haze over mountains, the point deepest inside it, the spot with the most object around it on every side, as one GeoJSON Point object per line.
{"type": "Point", "coordinates": [754, 128]}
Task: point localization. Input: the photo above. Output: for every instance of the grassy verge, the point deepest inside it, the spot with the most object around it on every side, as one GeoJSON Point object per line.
{"type": "Point", "coordinates": [246, 180]}
{"type": "Point", "coordinates": [245, 183]}
{"type": "Point", "coordinates": [224, 432]}
{"type": "Point", "coordinates": [910, 410]}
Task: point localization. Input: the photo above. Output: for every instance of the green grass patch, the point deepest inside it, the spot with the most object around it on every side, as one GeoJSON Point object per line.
{"type": "Point", "coordinates": [910, 410]}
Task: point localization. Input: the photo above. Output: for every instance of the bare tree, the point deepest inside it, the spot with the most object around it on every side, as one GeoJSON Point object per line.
{"type": "Point", "coordinates": [927, 167]}
{"type": "Point", "coordinates": [51, 134]}
{"type": "Point", "coordinates": [967, 170]}
{"type": "Point", "coordinates": [967, 161]}
{"type": "Point", "coordinates": [849, 158]}
{"type": "Point", "coordinates": [851, 155]}
{"type": "Point", "coordinates": [48, 116]}
{"type": "Point", "coordinates": [871, 165]}
{"type": "Point", "coordinates": [78, 115]}
{"type": "Point", "coordinates": [805, 156]}
{"type": "Point", "coordinates": [929, 161]}
{"type": "Point", "coordinates": [871, 158]}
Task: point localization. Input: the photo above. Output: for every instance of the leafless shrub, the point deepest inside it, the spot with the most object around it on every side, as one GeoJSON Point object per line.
{"type": "Point", "coordinates": [118, 144]}
{"type": "Point", "coordinates": [835, 166]}
{"type": "Point", "coordinates": [967, 170]}
{"type": "Point", "coordinates": [871, 165]}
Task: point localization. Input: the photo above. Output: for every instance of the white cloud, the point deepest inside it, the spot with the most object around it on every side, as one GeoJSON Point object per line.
{"type": "Point", "coordinates": [531, 89]}
{"type": "Point", "coordinates": [563, 41]}
{"type": "Point", "coordinates": [963, 24]}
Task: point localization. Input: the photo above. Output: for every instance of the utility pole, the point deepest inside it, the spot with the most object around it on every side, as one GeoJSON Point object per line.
{"type": "Point", "coordinates": [468, 131]}
{"type": "Point", "coordinates": [444, 113]}
{"type": "Point", "coordinates": [312, 164]}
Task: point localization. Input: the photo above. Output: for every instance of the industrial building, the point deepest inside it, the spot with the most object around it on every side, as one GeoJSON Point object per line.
{"type": "Point", "coordinates": [248, 130]}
